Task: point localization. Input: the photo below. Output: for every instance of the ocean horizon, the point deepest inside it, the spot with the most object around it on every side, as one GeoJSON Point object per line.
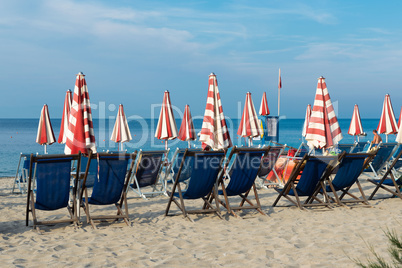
{"type": "Point", "coordinates": [18, 136]}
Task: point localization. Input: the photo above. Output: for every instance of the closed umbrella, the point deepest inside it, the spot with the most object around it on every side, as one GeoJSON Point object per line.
{"type": "Point", "coordinates": [264, 105]}
{"type": "Point", "coordinates": [355, 128]}
{"type": "Point", "coordinates": [121, 131]}
{"type": "Point", "coordinates": [45, 135]}
{"type": "Point", "coordinates": [187, 131]}
{"type": "Point", "coordinates": [214, 132]}
{"type": "Point", "coordinates": [306, 120]}
{"type": "Point", "coordinates": [80, 133]}
{"type": "Point", "coordinates": [387, 124]}
{"type": "Point", "coordinates": [323, 130]}
{"type": "Point", "coordinates": [249, 125]}
{"type": "Point", "coordinates": [400, 118]}
{"type": "Point", "coordinates": [64, 119]}
{"type": "Point", "coordinates": [399, 136]}
{"type": "Point", "coordinates": [166, 128]}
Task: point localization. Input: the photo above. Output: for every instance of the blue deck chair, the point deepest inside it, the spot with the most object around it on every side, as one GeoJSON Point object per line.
{"type": "Point", "coordinates": [21, 175]}
{"type": "Point", "coordinates": [346, 147]}
{"type": "Point", "coordinates": [241, 178]}
{"type": "Point", "coordinates": [312, 170]}
{"type": "Point", "coordinates": [268, 164]}
{"type": "Point", "coordinates": [380, 162]}
{"type": "Point", "coordinates": [148, 167]}
{"type": "Point", "coordinates": [348, 170]}
{"type": "Point", "coordinates": [92, 171]}
{"type": "Point", "coordinates": [109, 187]}
{"type": "Point", "coordinates": [360, 147]}
{"type": "Point", "coordinates": [398, 163]}
{"type": "Point", "coordinates": [174, 166]}
{"type": "Point", "coordinates": [53, 176]}
{"type": "Point", "coordinates": [205, 169]}
{"type": "Point", "coordinates": [388, 182]}
{"type": "Point", "coordinates": [302, 150]}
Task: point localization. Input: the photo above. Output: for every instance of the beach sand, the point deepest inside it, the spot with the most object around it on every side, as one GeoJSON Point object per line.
{"type": "Point", "coordinates": [287, 237]}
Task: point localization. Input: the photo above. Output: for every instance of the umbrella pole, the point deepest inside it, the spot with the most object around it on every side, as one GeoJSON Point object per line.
{"type": "Point", "coordinates": [386, 137]}
{"type": "Point", "coordinates": [45, 149]}
{"type": "Point", "coordinates": [166, 144]}
{"type": "Point", "coordinates": [250, 141]}
{"type": "Point", "coordinates": [121, 145]}
{"type": "Point", "coordinates": [189, 144]}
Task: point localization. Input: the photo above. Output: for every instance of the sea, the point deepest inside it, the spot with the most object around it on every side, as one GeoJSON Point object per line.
{"type": "Point", "coordinates": [18, 136]}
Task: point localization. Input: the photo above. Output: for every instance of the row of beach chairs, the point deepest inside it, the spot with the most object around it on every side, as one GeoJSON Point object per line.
{"type": "Point", "coordinates": [212, 177]}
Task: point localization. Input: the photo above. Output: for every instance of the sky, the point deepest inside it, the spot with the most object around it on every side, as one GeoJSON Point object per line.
{"type": "Point", "coordinates": [132, 51]}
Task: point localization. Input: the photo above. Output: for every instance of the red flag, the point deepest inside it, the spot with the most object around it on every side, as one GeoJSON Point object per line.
{"type": "Point", "coordinates": [280, 80]}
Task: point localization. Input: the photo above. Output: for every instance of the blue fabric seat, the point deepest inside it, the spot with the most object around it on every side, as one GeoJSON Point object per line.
{"type": "Point", "coordinates": [53, 177]}
{"type": "Point", "coordinates": [348, 171]}
{"type": "Point", "coordinates": [21, 176]}
{"type": "Point", "coordinates": [247, 163]}
{"type": "Point", "coordinates": [110, 185]}
{"type": "Point", "coordinates": [175, 165]}
{"type": "Point", "coordinates": [388, 182]}
{"type": "Point", "coordinates": [92, 171]}
{"type": "Point", "coordinates": [312, 169]}
{"type": "Point", "coordinates": [346, 147]}
{"type": "Point", "coordinates": [380, 161]}
{"type": "Point", "coordinates": [360, 147]}
{"type": "Point", "coordinates": [146, 173]}
{"type": "Point", "coordinates": [205, 168]}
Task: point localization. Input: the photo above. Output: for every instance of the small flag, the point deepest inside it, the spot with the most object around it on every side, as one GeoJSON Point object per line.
{"type": "Point", "coordinates": [280, 80]}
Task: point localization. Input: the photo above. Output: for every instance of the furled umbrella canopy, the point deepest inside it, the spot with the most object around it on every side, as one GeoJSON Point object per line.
{"type": "Point", "coordinates": [387, 124]}
{"type": "Point", "coordinates": [249, 125]}
{"type": "Point", "coordinates": [64, 119]}
{"type": "Point", "coordinates": [166, 128]}
{"type": "Point", "coordinates": [80, 133]}
{"type": "Point", "coordinates": [355, 128]}
{"type": "Point", "coordinates": [214, 131]}
{"type": "Point", "coordinates": [323, 129]}
{"type": "Point", "coordinates": [306, 120]}
{"type": "Point", "coordinates": [45, 135]}
{"type": "Point", "coordinates": [399, 136]}
{"type": "Point", "coordinates": [400, 118]}
{"type": "Point", "coordinates": [121, 131]}
{"type": "Point", "coordinates": [187, 131]}
{"type": "Point", "coordinates": [264, 105]}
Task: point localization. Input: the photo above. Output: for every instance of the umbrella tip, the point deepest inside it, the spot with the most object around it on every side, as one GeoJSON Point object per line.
{"type": "Point", "coordinates": [81, 73]}
{"type": "Point", "coordinates": [212, 73]}
{"type": "Point", "coordinates": [321, 77]}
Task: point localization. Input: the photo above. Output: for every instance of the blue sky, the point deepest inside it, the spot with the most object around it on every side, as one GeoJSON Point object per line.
{"type": "Point", "coordinates": [131, 51]}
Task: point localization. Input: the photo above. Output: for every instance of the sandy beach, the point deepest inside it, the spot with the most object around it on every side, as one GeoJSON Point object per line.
{"type": "Point", "coordinates": [287, 237]}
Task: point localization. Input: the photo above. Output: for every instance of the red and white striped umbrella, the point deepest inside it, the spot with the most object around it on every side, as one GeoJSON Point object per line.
{"type": "Point", "coordinates": [214, 132]}
{"type": "Point", "coordinates": [166, 128]}
{"type": "Point", "coordinates": [249, 126]}
{"type": "Point", "coordinates": [355, 127]}
{"type": "Point", "coordinates": [121, 131]}
{"type": "Point", "coordinates": [399, 136]}
{"type": "Point", "coordinates": [64, 119]}
{"type": "Point", "coordinates": [400, 118]}
{"type": "Point", "coordinates": [80, 133]}
{"type": "Point", "coordinates": [323, 130]}
{"type": "Point", "coordinates": [264, 105]}
{"type": "Point", "coordinates": [187, 131]}
{"type": "Point", "coordinates": [45, 134]}
{"type": "Point", "coordinates": [306, 120]}
{"type": "Point", "coordinates": [387, 124]}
